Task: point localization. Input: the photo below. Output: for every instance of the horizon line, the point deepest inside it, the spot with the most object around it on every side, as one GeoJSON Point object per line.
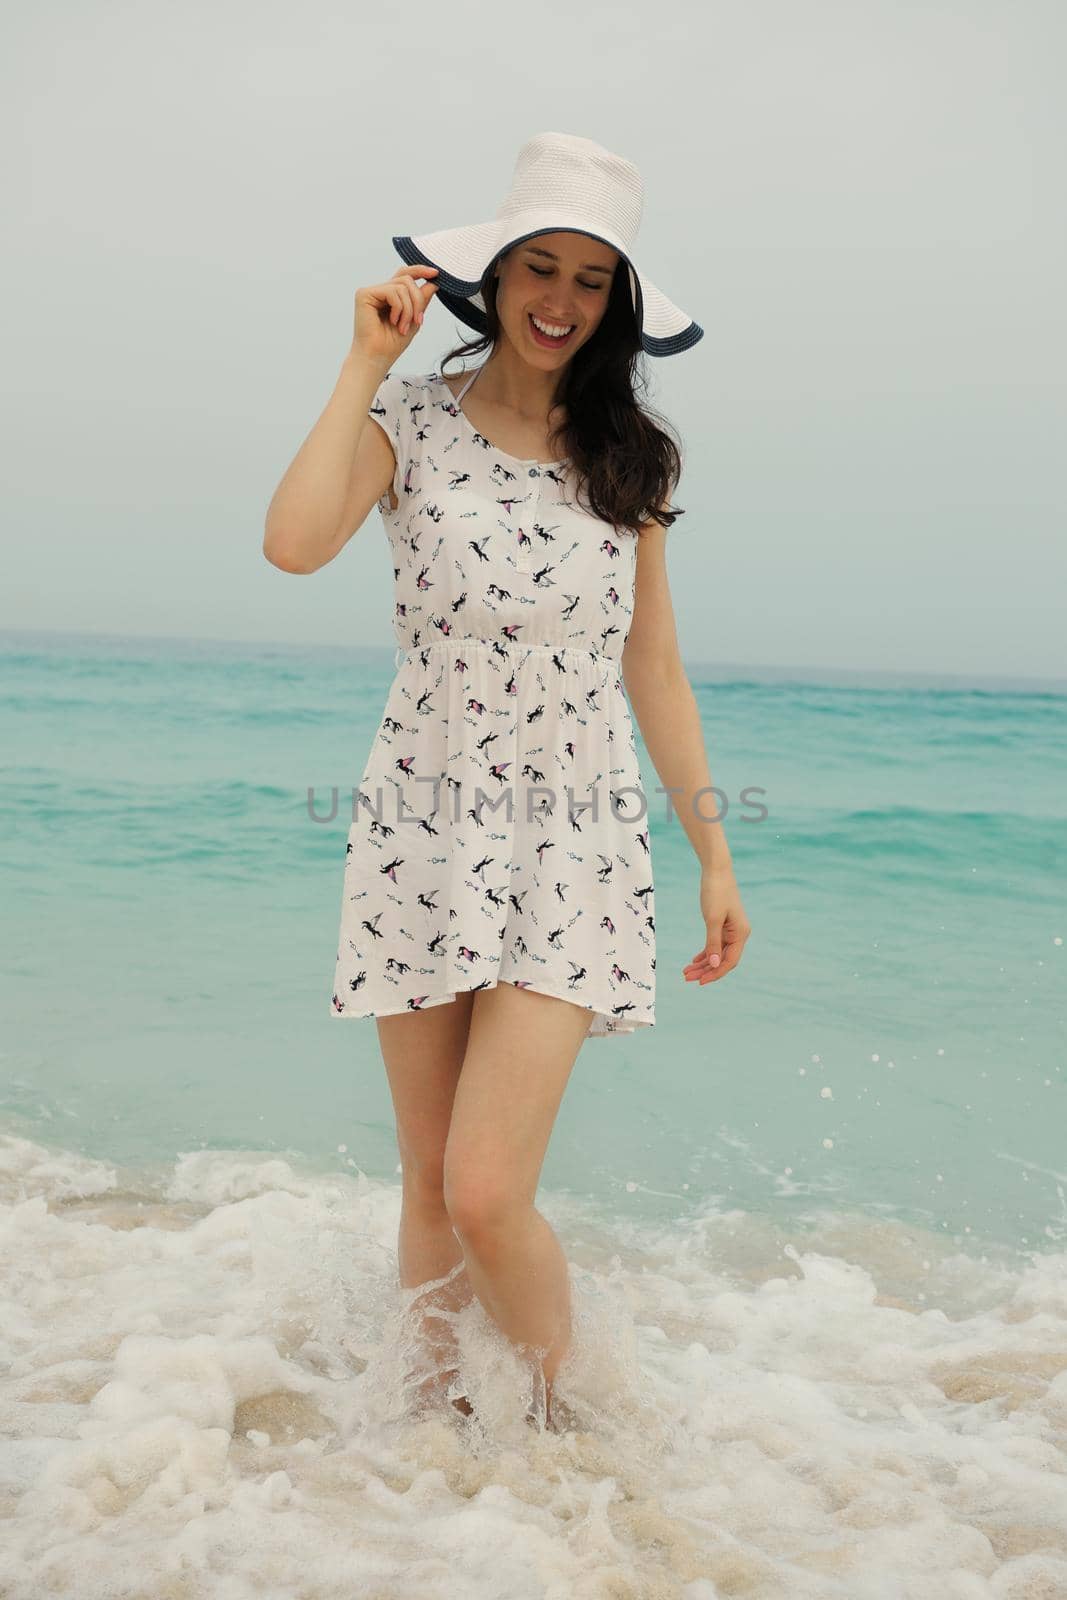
{"type": "Point", "coordinates": [918, 676]}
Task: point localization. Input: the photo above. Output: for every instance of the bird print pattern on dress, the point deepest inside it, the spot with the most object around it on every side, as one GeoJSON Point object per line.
{"type": "Point", "coordinates": [499, 832]}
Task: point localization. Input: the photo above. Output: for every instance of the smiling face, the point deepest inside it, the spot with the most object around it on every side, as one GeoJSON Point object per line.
{"type": "Point", "coordinates": [560, 280]}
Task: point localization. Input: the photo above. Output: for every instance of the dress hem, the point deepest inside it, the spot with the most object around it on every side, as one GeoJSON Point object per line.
{"type": "Point", "coordinates": [631, 1025]}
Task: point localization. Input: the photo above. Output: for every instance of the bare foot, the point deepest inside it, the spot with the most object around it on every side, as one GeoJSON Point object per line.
{"type": "Point", "coordinates": [435, 1387]}
{"type": "Point", "coordinates": [532, 1416]}
{"type": "Point", "coordinates": [559, 1416]}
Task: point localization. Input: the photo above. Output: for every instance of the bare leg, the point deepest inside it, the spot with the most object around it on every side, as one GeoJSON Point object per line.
{"type": "Point", "coordinates": [427, 1237]}
{"type": "Point", "coordinates": [423, 1053]}
{"type": "Point", "coordinates": [520, 1051]}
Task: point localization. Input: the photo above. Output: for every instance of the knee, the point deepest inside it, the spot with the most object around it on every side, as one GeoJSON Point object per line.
{"type": "Point", "coordinates": [482, 1206]}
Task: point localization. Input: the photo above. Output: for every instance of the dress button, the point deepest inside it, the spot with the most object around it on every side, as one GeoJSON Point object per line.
{"type": "Point", "coordinates": [533, 472]}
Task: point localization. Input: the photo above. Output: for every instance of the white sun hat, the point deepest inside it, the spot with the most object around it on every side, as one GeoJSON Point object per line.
{"type": "Point", "coordinates": [562, 184]}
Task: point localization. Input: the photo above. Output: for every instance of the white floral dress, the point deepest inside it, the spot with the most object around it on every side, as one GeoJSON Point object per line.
{"type": "Point", "coordinates": [500, 829]}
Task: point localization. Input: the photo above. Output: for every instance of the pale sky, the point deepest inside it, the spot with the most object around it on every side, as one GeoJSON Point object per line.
{"type": "Point", "coordinates": [861, 203]}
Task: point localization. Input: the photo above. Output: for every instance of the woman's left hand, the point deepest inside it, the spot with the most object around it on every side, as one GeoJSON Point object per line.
{"type": "Point", "coordinates": [727, 926]}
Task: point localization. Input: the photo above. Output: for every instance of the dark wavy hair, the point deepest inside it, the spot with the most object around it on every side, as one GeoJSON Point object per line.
{"type": "Point", "coordinates": [627, 465]}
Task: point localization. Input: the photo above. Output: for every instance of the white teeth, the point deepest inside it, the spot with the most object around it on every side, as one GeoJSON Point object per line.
{"type": "Point", "coordinates": [553, 332]}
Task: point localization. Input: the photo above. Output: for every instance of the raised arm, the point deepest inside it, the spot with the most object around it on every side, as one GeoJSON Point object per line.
{"type": "Point", "coordinates": [343, 467]}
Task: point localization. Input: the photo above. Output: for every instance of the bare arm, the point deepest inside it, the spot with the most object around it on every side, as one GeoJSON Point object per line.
{"type": "Point", "coordinates": [343, 466]}
{"type": "Point", "coordinates": [666, 709]}
{"type": "Point", "coordinates": [663, 700]}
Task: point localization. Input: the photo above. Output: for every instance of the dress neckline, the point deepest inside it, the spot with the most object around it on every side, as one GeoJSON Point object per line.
{"type": "Point", "coordinates": [520, 461]}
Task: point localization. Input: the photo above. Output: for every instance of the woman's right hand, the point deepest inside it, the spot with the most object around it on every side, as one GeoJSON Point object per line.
{"type": "Point", "coordinates": [389, 315]}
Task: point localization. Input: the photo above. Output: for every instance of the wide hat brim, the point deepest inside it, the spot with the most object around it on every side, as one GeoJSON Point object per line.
{"type": "Point", "coordinates": [461, 256]}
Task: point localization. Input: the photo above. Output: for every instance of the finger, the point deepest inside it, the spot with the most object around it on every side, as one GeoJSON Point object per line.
{"type": "Point", "coordinates": [414, 306]}
{"type": "Point", "coordinates": [710, 956]}
{"type": "Point", "coordinates": [420, 269]}
{"type": "Point", "coordinates": [713, 977]}
{"type": "Point", "coordinates": [392, 296]}
{"type": "Point", "coordinates": [410, 296]}
{"type": "Point", "coordinates": [406, 297]}
{"type": "Point", "coordinates": [423, 296]}
{"type": "Point", "coordinates": [731, 956]}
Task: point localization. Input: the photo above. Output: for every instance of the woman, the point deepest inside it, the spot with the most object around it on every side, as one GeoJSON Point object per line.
{"type": "Point", "coordinates": [526, 508]}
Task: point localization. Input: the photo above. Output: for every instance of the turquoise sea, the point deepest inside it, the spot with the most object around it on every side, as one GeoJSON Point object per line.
{"type": "Point", "coordinates": [817, 1216]}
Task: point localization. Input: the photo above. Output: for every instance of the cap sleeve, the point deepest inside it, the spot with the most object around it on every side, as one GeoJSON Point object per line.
{"type": "Point", "coordinates": [389, 408]}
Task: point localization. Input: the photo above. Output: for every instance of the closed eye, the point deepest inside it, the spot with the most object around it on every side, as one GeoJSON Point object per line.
{"type": "Point", "coordinates": [545, 272]}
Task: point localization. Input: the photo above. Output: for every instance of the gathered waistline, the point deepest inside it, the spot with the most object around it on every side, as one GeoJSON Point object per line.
{"type": "Point", "coordinates": [505, 645]}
